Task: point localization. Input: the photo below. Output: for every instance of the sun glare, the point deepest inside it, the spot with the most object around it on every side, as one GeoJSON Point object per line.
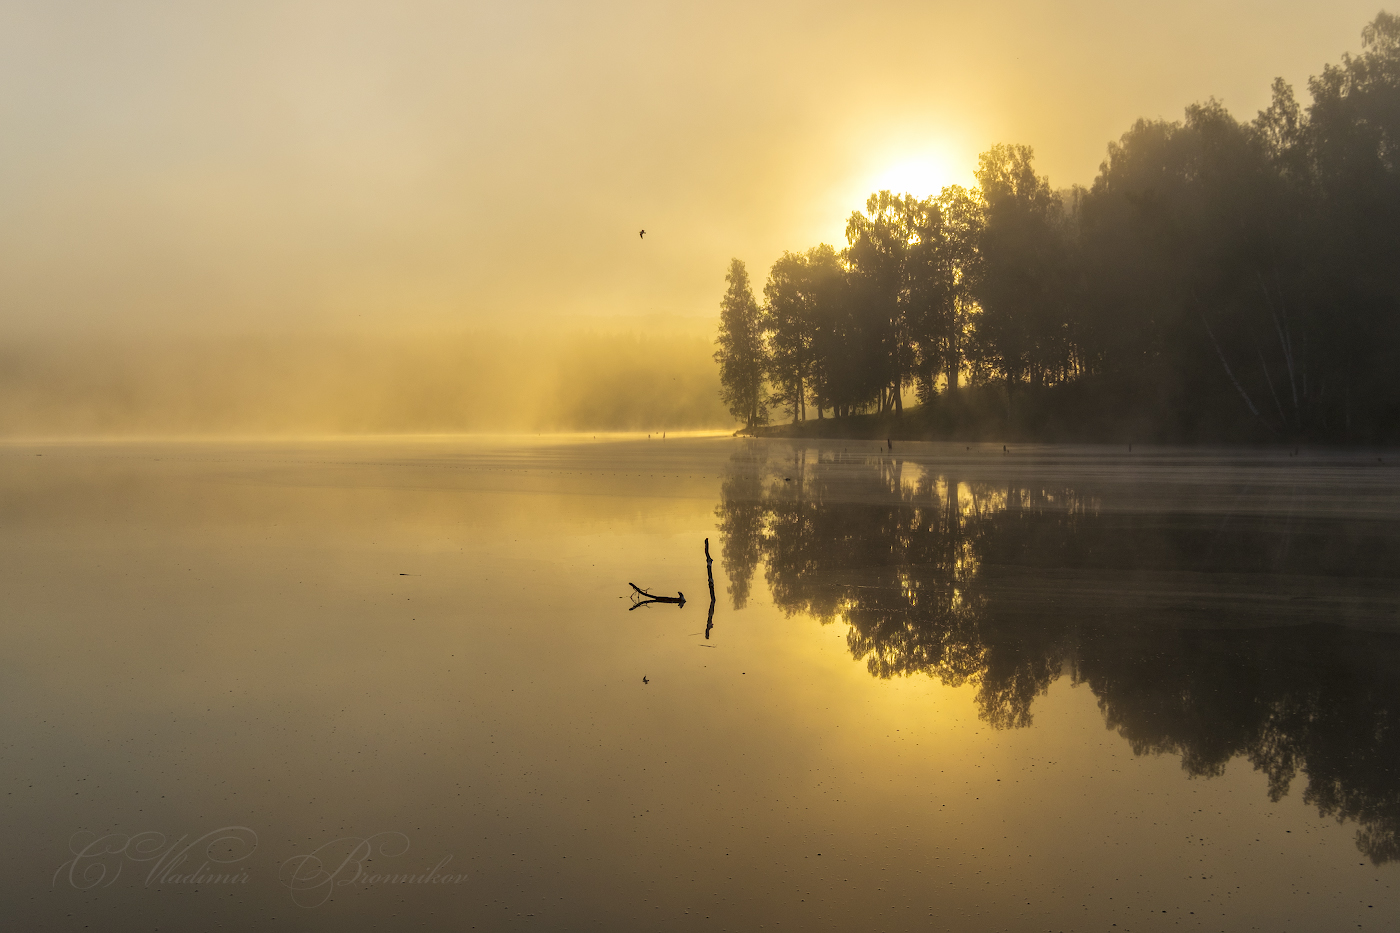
{"type": "Point", "coordinates": [920, 176]}
{"type": "Point", "coordinates": [921, 172]}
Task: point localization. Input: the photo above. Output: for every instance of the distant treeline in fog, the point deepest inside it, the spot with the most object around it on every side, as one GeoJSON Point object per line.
{"type": "Point", "coordinates": [468, 382]}
{"type": "Point", "coordinates": [1221, 279]}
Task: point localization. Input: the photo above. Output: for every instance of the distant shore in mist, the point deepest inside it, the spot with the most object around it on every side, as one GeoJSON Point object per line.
{"type": "Point", "coordinates": [573, 378]}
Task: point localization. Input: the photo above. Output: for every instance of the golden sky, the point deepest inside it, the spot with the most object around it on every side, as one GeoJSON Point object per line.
{"type": "Point", "coordinates": [254, 166]}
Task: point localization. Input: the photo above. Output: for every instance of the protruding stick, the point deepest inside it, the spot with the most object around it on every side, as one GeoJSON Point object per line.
{"type": "Point", "coordinates": [679, 598]}
{"type": "Point", "coordinates": [710, 572]}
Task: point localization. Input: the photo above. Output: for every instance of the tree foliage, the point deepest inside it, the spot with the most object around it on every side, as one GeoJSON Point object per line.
{"type": "Point", "coordinates": [741, 355]}
{"type": "Point", "coordinates": [1219, 279]}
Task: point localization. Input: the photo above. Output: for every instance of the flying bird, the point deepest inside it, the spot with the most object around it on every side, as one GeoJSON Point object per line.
{"type": "Point", "coordinates": [644, 679]}
{"type": "Point", "coordinates": [642, 235]}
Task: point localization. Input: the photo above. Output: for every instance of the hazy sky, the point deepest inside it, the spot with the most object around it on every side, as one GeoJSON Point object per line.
{"type": "Point", "coordinates": [253, 166]}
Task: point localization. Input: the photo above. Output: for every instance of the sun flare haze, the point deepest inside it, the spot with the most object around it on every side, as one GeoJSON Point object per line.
{"type": "Point", "coordinates": [355, 166]}
{"type": "Point", "coordinates": [920, 176]}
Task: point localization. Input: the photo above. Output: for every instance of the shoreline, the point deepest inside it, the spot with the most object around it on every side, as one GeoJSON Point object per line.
{"type": "Point", "coordinates": [918, 423]}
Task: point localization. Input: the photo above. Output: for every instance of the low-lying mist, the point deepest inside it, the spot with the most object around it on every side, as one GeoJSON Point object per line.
{"type": "Point", "coordinates": [484, 381]}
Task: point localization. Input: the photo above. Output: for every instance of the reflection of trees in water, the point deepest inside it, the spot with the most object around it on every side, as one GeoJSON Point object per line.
{"type": "Point", "coordinates": [917, 566]}
{"type": "Point", "coordinates": [1320, 699]}
{"type": "Point", "coordinates": [741, 521]}
{"type": "Point", "coordinates": [895, 556]}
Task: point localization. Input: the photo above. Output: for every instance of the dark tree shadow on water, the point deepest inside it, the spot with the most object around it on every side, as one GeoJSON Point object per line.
{"type": "Point", "coordinates": [1003, 588]}
{"type": "Point", "coordinates": [741, 518]}
{"type": "Point", "coordinates": [1321, 701]}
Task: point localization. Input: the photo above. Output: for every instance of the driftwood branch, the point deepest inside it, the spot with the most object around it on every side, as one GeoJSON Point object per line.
{"type": "Point", "coordinates": [710, 572]}
{"type": "Point", "coordinates": [648, 598]}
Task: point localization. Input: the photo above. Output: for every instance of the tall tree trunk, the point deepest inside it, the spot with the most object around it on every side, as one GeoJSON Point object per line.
{"type": "Point", "coordinates": [1228, 372]}
{"type": "Point", "coordinates": [1285, 338]}
{"type": "Point", "coordinates": [1270, 381]}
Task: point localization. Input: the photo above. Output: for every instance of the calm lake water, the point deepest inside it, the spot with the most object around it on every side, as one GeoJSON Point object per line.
{"type": "Point", "coordinates": [399, 685]}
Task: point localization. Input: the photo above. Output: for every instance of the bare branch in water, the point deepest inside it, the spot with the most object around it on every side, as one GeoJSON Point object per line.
{"type": "Point", "coordinates": [710, 572]}
{"type": "Point", "coordinates": [646, 599]}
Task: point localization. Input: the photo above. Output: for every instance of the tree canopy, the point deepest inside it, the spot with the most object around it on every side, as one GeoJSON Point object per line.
{"type": "Point", "coordinates": [742, 356]}
{"type": "Point", "coordinates": [1220, 279]}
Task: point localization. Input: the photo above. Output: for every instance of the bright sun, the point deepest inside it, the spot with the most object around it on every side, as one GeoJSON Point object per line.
{"type": "Point", "coordinates": [921, 169]}
{"type": "Point", "coordinates": [920, 176]}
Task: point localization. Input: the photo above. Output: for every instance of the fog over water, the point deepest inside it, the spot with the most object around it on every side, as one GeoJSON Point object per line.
{"type": "Point", "coordinates": [943, 688]}
{"type": "Point", "coordinates": [607, 376]}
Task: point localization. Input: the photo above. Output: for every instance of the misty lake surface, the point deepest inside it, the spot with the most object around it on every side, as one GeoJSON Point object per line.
{"type": "Point", "coordinates": [398, 684]}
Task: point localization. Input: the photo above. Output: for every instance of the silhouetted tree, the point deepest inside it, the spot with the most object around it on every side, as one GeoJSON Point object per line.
{"type": "Point", "coordinates": [1350, 138]}
{"type": "Point", "coordinates": [959, 259]}
{"type": "Point", "coordinates": [842, 347]}
{"type": "Point", "coordinates": [1024, 329]}
{"type": "Point", "coordinates": [742, 359]}
{"type": "Point", "coordinates": [801, 300]}
{"type": "Point", "coordinates": [1220, 279]}
{"type": "Point", "coordinates": [878, 258]}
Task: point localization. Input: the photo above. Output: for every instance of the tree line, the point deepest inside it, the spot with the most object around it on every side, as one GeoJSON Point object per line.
{"type": "Point", "coordinates": [1240, 278]}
